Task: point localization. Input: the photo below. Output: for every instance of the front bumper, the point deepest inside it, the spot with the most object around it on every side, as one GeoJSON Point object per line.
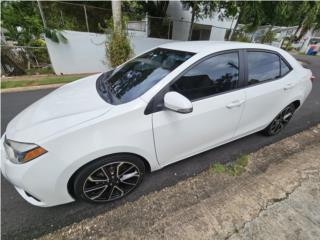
{"type": "Point", "coordinates": [38, 181]}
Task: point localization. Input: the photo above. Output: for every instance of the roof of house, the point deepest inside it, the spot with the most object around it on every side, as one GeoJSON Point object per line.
{"type": "Point", "coordinates": [213, 46]}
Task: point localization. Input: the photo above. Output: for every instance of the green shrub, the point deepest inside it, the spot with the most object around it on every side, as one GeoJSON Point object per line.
{"type": "Point", "coordinates": [235, 168]}
{"type": "Point", "coordinates": [240, 37]}
{"type": "Point", "coordinates": [118, 48]}
{"type": "Point", "coordinates": [218, 168]}
{"type": "Point", "coordinates": [268, 37]}
{"type": "Point", "coordinates": [41, 53]}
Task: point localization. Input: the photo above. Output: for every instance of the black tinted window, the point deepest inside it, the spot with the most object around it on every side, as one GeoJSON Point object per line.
{"type": "Point", "coordinates": [262, 66]}
{"type": "Point", "coordinates": [284, 68]}
{"type": "Point", "coordinates": [139, 75]}
{"type": "Point", "coordinates": [214, 75]}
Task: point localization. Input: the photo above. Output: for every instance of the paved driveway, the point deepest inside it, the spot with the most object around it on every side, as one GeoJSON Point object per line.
{"type": "Point", "coordinates": [20, 220]}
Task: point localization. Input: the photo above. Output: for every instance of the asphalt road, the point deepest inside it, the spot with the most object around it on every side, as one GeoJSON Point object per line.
{"type": "Point", "coordinates": [20, 220]}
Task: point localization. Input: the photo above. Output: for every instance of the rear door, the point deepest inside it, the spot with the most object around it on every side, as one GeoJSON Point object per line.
{"type": "Point", "coordinates": [270, 84]}
{"type": "Point", "coordinates": [213, 87]}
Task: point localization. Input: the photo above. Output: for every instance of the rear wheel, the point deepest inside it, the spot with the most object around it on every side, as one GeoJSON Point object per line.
{"type": "Point", "coordinates": [109, 179]}
{"type": "Point", "coordinates": [280, 121]}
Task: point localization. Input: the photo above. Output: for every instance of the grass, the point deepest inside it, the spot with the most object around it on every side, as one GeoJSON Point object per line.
{"type": "Point", "coordinates": [37, 82]}
{"type": "Point", "coordinates": [33, 71]}
{"type": "Point", "coordinates": [236, 168]}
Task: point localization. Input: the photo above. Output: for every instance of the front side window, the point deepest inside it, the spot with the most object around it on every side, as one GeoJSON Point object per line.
{"type": "Point", "coordinates": [212, 76]}
{"type": "Point", "coordinates": [262, 66]}
{"type": "Point", "coordinates": [140, 74]}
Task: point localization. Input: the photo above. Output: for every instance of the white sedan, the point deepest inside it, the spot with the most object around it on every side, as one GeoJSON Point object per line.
{"type": "Point", "coordinates": [95, 138]}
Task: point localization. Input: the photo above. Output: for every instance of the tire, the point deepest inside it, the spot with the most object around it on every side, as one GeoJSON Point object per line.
{"type": "Point", "coordinates": [109, 178]}
{"type": "Point", "coordinates": [280, 121]}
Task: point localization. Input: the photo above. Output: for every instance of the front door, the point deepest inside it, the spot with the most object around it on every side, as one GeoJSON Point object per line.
{"type": "Point", "coordinates": [212, 86]}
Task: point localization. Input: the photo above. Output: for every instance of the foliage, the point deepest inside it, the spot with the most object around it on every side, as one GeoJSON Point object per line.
{"type": "Point", "coordinates": [55, 35]}
{"type": "Point", "coordinates": [200, 10]}
{"type": "Point", "coordinates": [63, 16]}
{"type": "Point", "coordinates": [118, 48]}
{"type": "Point", "coordinates": [268, 36]}
{"type": "Point", "coordinates": [311, 19]}
{"type": "Point", "coordinates": [305, 14]}
{"type": "Point", "coordinates": [218, 168]}
{"type": "Point", "coordinates": [159, 25]}
{"type": "Point", "coordinates": [155, 8]}
{"type": "Point", "coordinates": [138, 9]}
{"type": "Point", "coordinates": [240, 36]}
{"type": "Point", "coordinates": [234, 169]}
{"type": "Point", "coordinates": [249, 13]}
{"type": "Point", "coordinates": [21, 20]}
{"type": "Point", "coordinates": [41, 53]}
{"type": "Point", "coordinates": [134, 10]}
{"type": "Point", "coordinates": [40, 70]}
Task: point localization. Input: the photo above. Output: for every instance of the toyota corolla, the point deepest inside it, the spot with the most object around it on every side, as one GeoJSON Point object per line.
{"type": "Point", "coordinates": [95, 138]}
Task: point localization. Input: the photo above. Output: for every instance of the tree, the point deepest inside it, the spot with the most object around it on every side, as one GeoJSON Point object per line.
{"type": "Point", "coordinates": [311, 19]}
{"type": "Point", "coordinates": [21, 20]}
{"type": "Point", "coordinates": [249, 13]}
{"type": "Point", "coordinates": [157, 11]}
{"type": "Point", "coordinates": [284, 13]}
{"type": "Point", "coordinates": [118, 49]}
{"type": "Point", "coordinates": [199, 10]}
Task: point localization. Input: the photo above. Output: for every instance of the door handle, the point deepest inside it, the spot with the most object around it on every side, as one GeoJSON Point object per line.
{"type": "Point", "coordinates": [234, 104]}
{"type": "Point", "coordinates": [289, 86]}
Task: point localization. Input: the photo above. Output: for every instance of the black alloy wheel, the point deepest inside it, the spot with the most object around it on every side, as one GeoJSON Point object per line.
{"type": "Point", "coordinates": [109, 179]}
{"type": "Point", "coordinates": [280, 121]}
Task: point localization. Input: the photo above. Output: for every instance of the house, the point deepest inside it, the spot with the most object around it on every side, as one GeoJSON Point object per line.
{"type": "Point", "coordinates": [203, 29]}
{"type": "Point", "coordinates": [176, 25]}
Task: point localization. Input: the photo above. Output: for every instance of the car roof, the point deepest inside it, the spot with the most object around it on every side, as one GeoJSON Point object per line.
{"type": "Point", "coordinates": [213, 46]}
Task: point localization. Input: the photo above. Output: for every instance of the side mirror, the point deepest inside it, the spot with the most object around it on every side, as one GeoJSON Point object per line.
{"type": "Point", "coordinates": [178, 103]}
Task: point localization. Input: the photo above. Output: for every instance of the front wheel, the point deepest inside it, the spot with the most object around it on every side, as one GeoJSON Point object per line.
{"type": "Point", "coordinates": [280, 121]}
{"type": "Point", "coordinates": [108, 179]}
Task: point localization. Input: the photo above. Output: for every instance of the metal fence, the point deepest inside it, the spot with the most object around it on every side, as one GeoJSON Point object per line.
{"type": "Point", "coordinates": [87, 18]}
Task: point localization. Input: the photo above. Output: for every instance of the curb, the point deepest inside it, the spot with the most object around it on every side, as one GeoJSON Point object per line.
{"type": "Point", "coordinates": [31, 88]}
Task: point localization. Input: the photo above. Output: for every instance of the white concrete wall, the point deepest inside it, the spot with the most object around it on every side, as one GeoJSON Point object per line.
{"type": "Point", "coordinates": [85, 52]}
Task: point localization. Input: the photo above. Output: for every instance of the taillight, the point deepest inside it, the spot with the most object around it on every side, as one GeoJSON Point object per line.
{"type": "Point", "coordinates": [312, 78]}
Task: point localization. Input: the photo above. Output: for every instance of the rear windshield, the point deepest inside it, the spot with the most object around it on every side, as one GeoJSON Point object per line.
{"type": "Point", "coordinates": [138, 75]}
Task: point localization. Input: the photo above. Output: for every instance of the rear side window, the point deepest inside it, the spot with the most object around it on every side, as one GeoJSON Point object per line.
{"type": "Point", "coordinates": [215, 75]}
{"type": "Point", "coordinates": [262, 66]}
{"type": "Point", "coordinates": [284, 68]}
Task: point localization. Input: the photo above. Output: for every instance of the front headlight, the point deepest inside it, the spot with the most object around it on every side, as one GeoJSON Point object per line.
{"type": "Point", "coordinates": [18, 152]}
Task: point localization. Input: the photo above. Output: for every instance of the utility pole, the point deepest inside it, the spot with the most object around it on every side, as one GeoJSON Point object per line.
{"type": "Point", "coordinates": [42, 15]}
{"type": "Point", "coordinates": [116, 14]}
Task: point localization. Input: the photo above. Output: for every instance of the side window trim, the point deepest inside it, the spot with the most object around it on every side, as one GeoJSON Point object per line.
{"type": "Point", "coordinates": [266, 51]}
{"type": "Point", "coordinates": [282, 60]}
{"type": "Point", "coordinates": [156, 103]}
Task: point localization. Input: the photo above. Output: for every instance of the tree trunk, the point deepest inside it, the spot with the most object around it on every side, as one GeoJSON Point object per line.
{"type": "Point", "coordinates": [191, 25]}
{"type": "Point", "coordinates": [293, 37]}
{"type": "Point", "coordinates": [302, 33]}
{"type": "Point", "coordinates": [235, 26]}
{"type": "Point", "coordinates": [116, 14]}
{"type": "Point", "coordinates": [41, 14]}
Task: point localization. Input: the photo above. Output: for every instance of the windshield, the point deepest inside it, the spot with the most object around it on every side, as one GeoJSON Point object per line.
{"type": "Point", "coordinates": [138, 75]}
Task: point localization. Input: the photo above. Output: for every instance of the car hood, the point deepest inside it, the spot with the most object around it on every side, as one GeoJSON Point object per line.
{"type": "Point", "coordinates": [63, 108]}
